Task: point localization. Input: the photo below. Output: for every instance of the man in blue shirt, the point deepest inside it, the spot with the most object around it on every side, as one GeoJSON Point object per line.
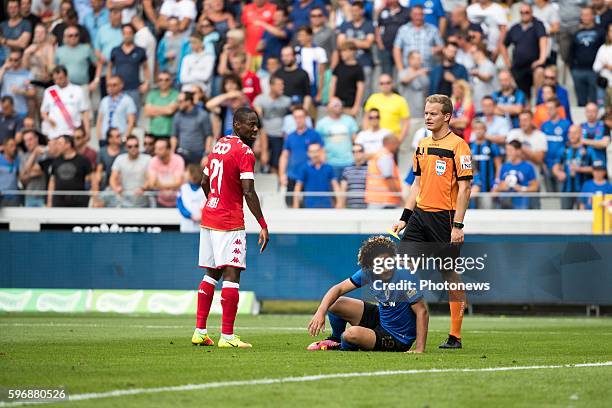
{"type": "Point", "coordinates": [510, 100]}
{"type": "Point", "coordinates": [486, 156]}
{"type": "Point", "coordinates": [294, 155]}
{"type": "Point", "coordinates": [555, 130]}
{"type": "Point", "coordinates": [399, 319]}
{"type": "Point", "coordinates": [573, 167]}
{"type": "Point", "coordinates": [516, 176]}
{"type": "Point", "coordinates": [300, 12]}
{"type": "Point", "coordinates": [316, 177]}
{"type": "Point", "coordinates": [96, 18]}
{"type": "Point", "coordinates": [594, 133]}
{"type": "Point", "coordinates": [598, 185]}
{"type": "Point", "coordinates": [434, 13]}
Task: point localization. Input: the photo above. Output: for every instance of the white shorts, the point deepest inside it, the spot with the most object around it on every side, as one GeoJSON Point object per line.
{"type": "Point", "coordinates": [222, 248]}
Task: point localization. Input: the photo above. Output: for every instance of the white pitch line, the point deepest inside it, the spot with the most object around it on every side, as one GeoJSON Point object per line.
{"type": "Point", "coordinates": [308, 378]}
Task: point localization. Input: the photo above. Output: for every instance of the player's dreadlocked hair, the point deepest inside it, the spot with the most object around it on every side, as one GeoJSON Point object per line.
{"type": "Point", "coordinates": [372, 248]}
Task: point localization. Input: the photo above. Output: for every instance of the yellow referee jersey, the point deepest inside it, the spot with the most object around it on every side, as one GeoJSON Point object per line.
{"type": "Point", "coordinates": [440, 164]}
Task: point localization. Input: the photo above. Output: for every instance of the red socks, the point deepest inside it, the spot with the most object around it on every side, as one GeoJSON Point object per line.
{"type": "Point", "coordinates": [206, 291]}
{"type": "Point", "coordinates": [229, 303]}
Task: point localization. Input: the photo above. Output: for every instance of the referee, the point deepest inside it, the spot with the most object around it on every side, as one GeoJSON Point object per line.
{"type": "Point", "coordinates": [438, 199]}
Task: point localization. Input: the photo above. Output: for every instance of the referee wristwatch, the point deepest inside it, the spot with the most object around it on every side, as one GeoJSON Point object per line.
{"type": "Point", "coordinates": [457, 225]}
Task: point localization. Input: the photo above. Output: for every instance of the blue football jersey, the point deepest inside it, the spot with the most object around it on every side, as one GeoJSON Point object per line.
{"type": "Point", "coordinates": [394, 306]}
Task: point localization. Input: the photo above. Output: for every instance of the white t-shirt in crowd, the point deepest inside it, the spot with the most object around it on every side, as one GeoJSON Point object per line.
{"type": "Point", "coordinates": [181, 9]}
{"type": "Point", "coordinates": [372, 141]}
{"type": "Point", "coordinates": [536, 141]}
{"type": "Point", "coordinates": [75, 102]}
{"type": "Point", "coordinates": [491, 17]}
{"type": "Point", "coordinates": [193, 202]}
{"type": "Point", "coordinates": [309, 60]}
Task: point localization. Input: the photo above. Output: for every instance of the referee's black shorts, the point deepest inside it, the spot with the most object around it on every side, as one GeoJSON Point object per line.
{"type": "Point", "coordinates": [428, 233]}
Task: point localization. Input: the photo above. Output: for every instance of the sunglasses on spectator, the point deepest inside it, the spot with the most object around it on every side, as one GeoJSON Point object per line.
{"type": "Point", "coordinates": [525, 12]}
{"type": "Point", "coordinates": [385, 82]}
{"type": "Point", "coordinates": [132, 146]}
{"type": "Point", "coordinates": [316, 15]}
{"type": "Point", "coordinates": [357, 151]}
{"type": "Point", "coordinates": [72, 35]}
{"type": "Point", "coordinates": [164, 79]}
{"type": "Point", "coordinates": [13, 59]}
{"type": "Point", "coordinates": [374, 117]}
{"type": "Point", "coordinates": [550, 77]}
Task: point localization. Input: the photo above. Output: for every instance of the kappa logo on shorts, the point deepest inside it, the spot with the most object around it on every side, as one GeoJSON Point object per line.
{"type": "Point", "coordinates": [238, 242]}
{"type": "Point", "coordinates": [440, 167]}
{"type": "Point", "coordinates": [237, 251]}
{"type": "Point", "coordinates": [235, 260]}
{"type": "Point", "coordinates": [466, 162]}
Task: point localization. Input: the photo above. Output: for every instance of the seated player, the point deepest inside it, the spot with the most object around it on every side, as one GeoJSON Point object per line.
{"type": "Point", "coordinates": [399, 320]}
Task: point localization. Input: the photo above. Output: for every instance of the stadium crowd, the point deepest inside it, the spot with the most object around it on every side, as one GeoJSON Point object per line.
{"type": "Point", "coordinates": [126, 97]}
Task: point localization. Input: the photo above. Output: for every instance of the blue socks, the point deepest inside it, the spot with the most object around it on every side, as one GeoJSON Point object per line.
{"type": "Point", "coordinates": [338, 326]}
{"type": "Point", "coordinates": [346, 346]}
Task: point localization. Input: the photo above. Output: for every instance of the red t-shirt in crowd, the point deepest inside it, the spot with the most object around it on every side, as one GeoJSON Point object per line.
{"type": "Point", "coordinates": [254, 32]}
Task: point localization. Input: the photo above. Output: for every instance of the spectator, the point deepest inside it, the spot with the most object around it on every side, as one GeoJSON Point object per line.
{"type": "Point", "coordinates": [301, 11]}
{"type": "Point", "coordinates": [482, 76]}
{"type": "Point", "coordinates": [234, 44]}
{"type": "Point", "coordinates": [275, 37]}
{"type": "Point", "coordinates": [322, 35]}
{"type": "Point", "coordinates": [413, 83]}
{"type": "Point", "coordinates": [530, 46]}
{"type": "Point", "coordinates": [394, 112]}
{"type": "Point", "coordinates": [338, 131]}
{"type": "Point", "coordinates": [170, 47]}
{"type": "Point", "coordinates": [221, 18]}
{"type": "Point", "coordinates": [39, 57]}
{"type": "Point", "coordinates": [603, 13]}
{"type": "Point", "coordinates": [15, 32]}
{"type": "Point", "coordinates": [160, 106]}
{"type": "Point", "coordinates": [10, 122]}
{"type": "Point", "coordinates": [96, 18]}
{"type": "Point", "coordinates": [533, 141]}
{"type": "Point", "coordinates": [252, 15]}
{"type": "Point", "coordinates": [361, 32]}
{"type": "Point", "coordinates": [442, 76]}
{"type": "Point", "coordinates": [555, 130]}
{"type": "Point", "coordinates": [583, 50]}
{"type": "Point", "coordinates": [603, 67]}
{"type": "Point", "coordinates": [295, 148]}
{"type": "Point", "coordinates": [289, 124]}
{"type": "Point", "coordinates": [492, 16]}
{"type": "Point", "coordinates": [70, 20]}
{"type": "Point", "coordinates": [126, 61]}
{"type": "Point", "coordinates": [459, 22]}
{"type": "Point", "coordinates": [197, 67]}
{"type": "Point", "coordinates": [9, 174]}
{"type": "Point", "coordinates": [383, 188]}
{"type": "Point", "coordinates": [31, 174]}
{"type": "Point", "coordinates": [165, 173]}
{"type": "Point", "coordinates": [598, 185]}
{"type": "Point", "coordinates": [183, 10]}
{"type": "Point", "coordinates": [416, 36]}
{"type": "Point", "coordinates": [594, 135]}
{"type": "Point", "coordinates": [109, 36]}
{"type": "Point", "coordinates": [81, 141]}
{"type": "Point", "coordinates": [145, 39]}
{"type": "Point", "coordinates": [540, 114]}
{"type": "Point", "coordinates": [353, 182]}
{"type": "Point", "coordinates": [69, 172]}
{"type": "Point", "coordinates": [148, 144]}
{"type": "Point", "coordinates": [211, 39]}
{"type": "Point", "coordinates": [371, 138]}
{"type": "Point", "coordinates": [225, 104]}
{"type": "Point", "coordinates": [316, 177]}
{"type": "Point", "coordinates": [313, 60]}
{"type": "Point", "coordinates": [47, 10]}
{"type": "Point", "coordinates": [296, 80]}
{"type": "Point", "coordinates": [497, 126]}
{"type": "Point", "coordinates": [75, 57]}
{"type": "Point", "coordinates": [116, 110]}
{"type": "Point", "coordinates": [486, 156]}
{"type": "Point", "coordinates": [510, 100]}
{"type": "Point", "coordinates": [106, 157]}
{"type": "Point", "coordinates": [16, 82]}
{"type": "Point", "coordinates": [251, 86]}
{"type": "Point", "coordinates": [548, 14]}
{"type": "Point", "coordinates": [463, 110]}
{"type": "Point", "coordinates": [516, 176]}
{"type": "Point", "coordinates": [25, 10]}
{"type": "Point", "coordinates": [348, 80]}
{"type": "Point", "coordinates": [390, 19]}
{"type": "Point", "coordinates": [434, 13]}
{"type": "Point", "coordinates": [464, 49]}
{"type": "Point", "coordinates": [129, 175]}
{"type": "Point", "coordinates": [550, 78]}
{"type": "Point", "coordinates": [569, 14]}
{"type": "Point", "coordinates": [573, 167]}
{"type": "Point", "coordinates": [192, 135]}
{"type": "Point", "coordinates": [190, 200]}
{"type": "Point", "coordinates": [128, 8]}
{"type": "Point", "coordinates": [272, 108]}
{"type": "Point", "coordinates": [64, 108]}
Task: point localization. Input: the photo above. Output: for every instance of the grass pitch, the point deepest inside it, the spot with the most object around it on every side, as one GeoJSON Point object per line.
{"type": "Point", "coordinates": [97, 353]}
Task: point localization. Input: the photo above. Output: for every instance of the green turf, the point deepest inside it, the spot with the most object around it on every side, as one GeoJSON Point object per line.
{"type": "Point", "coordinates": [97, 353]}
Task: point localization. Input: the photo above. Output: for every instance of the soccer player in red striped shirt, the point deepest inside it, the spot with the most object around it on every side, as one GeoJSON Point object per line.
{"type": "Point", "coordinates": [228, 177]}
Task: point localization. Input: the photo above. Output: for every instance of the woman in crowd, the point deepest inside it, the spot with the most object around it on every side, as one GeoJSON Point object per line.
{"type": "Point", "coordinates": [463, 109]}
